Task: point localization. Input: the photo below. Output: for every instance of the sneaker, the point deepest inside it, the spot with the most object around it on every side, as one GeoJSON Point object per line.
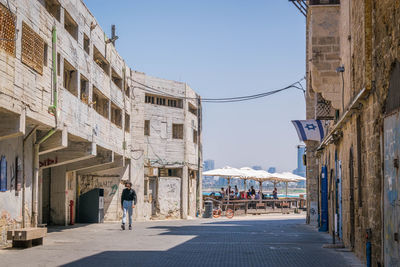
{"type": "Point", "coordinates": [130, 227]}
{"type": "Point", "coordinates": [123, 226]}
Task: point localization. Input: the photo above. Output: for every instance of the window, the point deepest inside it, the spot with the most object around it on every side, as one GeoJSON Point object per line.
{"type": "Point", "coordinates": [84, 89]}
{"type": "Point", "coordinates": [127, 90]}
{"type": "Point", "coordinates": [177, 131]}
{"type": "Point", "coordinates": [45, 54]}
{"type": "Point", "coordinates": [86, 43]}
{"type": "Point", "coordinates": [101, 60]}
{"type": "Point", "coordinates": [147, 127]}
{"type": "Point", "coordinates": [146, 187]}
{"type": "Point", "coordinates": [70, 25]}
{"type": "Point", "coordinates": [116, 115]}
{"type": "Point", "coordinates": [195, 136]}
{"type": "Point", "coordinates": [53, 7]}
{"type": "Point", "coordinates": [32, 49]}
{"type": "Point", "coordinates": [192, 109]}
{"type": "Point", "coordinates": [70, 78]}
{"type": "Point", "coordinates": [166, 172]}
{"type": "Point", "coordinates": [149, 99]}
{"type": "Point", "coordinates": [163, 101]}
{"type": "Point", "coordinates": [116, 78]}
{"type": "Point", "coordinates": [160, 101]}
{"type": "Point", "coordinates": [58, 64]}
{"type": "Point", "coordinates": [127, 123]}
{"type": "Point", "coordinates": [100, 102]}
{"type": "Point", "coordinates": [7, 30]}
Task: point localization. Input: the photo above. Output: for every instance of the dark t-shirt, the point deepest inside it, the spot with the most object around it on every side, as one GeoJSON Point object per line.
{"type": "Point", "coordinates": [129, 195]}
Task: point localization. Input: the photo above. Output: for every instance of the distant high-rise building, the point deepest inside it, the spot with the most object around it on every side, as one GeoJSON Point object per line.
{"type": "Point", "coordinates": [209, 165]}
{"type": "Point", "coordinates": [272, 169]}
{"type": "Point", "coordinates": [257, 167]}
{"type": "Point", "coordinates": [301, 168]}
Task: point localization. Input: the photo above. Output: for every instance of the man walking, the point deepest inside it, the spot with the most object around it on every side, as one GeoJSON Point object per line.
{"type": "Point", "coordinates": [128, 201]}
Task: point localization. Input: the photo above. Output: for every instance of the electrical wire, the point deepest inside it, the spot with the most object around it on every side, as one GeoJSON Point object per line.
{"type": "Point", "coordinates": [224, 99]}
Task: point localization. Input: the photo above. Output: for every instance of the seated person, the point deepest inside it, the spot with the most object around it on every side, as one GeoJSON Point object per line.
{"type": "Point", "coordinates": [222, 192]}
{"type": "Point", "coordinates": [275, 193]}
{"type": "Point", "coordinates": [253, 191]}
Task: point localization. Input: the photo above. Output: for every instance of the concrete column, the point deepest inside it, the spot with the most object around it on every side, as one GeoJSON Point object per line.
{"type": "Point", "coordinates": [184, 192]}
{"type": "Point", "coordinates": [57, 195]}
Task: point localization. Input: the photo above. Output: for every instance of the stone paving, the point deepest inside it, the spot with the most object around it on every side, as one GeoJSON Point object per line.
{"type": "Point", "coordinates": [272, 240]}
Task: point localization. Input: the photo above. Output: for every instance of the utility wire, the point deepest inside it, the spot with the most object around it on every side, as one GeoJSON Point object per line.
{"type": "Point", "coordinates": [296, 85]}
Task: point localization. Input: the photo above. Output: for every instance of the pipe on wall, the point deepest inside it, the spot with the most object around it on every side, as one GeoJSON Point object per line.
{"type": "Point", "coordinates": [52, 110]}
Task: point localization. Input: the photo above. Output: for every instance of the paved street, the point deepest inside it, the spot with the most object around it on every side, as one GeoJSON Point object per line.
{"type": "Point", "coordinates": [273, 240]}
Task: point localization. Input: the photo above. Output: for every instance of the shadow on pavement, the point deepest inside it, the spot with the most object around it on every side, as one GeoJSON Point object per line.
{"type": "Point", "coordinates": [230, 243]}
{"type": "Point", "coordinates": [59, 228]}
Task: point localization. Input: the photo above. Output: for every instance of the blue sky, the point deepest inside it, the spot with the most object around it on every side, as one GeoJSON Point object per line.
{"type": "Point", "coordinates": [222, 48]}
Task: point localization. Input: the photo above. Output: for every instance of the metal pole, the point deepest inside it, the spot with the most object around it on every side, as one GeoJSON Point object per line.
{"type": "Point", "coordinates": [35, 185]}
{"type": "Point", "coordinates": [286, 188]}
{"type": "Point", "coordinates": [229, 190]}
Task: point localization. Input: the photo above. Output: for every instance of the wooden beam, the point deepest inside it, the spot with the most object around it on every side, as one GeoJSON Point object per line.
{"type": "Point", "coordinates": [12, 125]}
{"type": "Point", "coordinates": [117, 163]}
{"type": "Point", "coordinates": [76, 151]}
{"type": "Point", "coordinates": [102, 158]}
{"type": "Point", "coordinates": [57, 141]}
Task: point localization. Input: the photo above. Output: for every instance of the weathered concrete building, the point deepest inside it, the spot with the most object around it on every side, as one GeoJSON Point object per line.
{"type": "Point", "coordinates": [172, 148]}
{"type": "Point", "coordinates": [73, 118]}
{"type": "Point", "coordinates": [353, 82]}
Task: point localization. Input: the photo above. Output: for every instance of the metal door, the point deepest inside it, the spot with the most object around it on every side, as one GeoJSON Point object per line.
{"type": "Point", "coordinates": [324, 200]}
{"type": "Point", "coordinates": [391, 190]}
{"type": "Point", "coordinates": [339, 198]}
{"type": "Point", "coordinates": [352, 213]}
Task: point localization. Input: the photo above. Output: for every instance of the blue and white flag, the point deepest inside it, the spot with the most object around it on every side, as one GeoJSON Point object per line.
{"type": "Point", "coordinates": [310, 130]}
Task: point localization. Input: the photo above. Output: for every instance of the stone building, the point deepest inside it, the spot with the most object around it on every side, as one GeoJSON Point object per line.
{"type": "Point", "coordinates": [353, 79]}
{"type": "Point", "coordinates": [73, 117]}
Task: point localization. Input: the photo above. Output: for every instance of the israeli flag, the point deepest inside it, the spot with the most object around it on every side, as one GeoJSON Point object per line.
{"type": "Point", "coordinates": [310, 130]}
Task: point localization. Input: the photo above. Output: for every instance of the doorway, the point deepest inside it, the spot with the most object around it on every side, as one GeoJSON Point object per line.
{"type": "Point", "coordinates": [351, 173]}
{"type": "Point", "coordinates": [46, 191]}
{"type": "Point", "coordinates": [391, 189]}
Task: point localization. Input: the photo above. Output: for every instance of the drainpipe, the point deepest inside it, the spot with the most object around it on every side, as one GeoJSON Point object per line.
{"type": "Point", "coordinates": [52, 110]}
{"type": "Point", "coordinates": [199, 161]}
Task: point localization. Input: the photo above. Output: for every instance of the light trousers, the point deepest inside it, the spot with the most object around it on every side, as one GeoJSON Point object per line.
{"type": "Point", "coordinates": [127, 206]}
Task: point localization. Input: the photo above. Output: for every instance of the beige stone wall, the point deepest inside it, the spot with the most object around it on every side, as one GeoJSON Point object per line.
{"type": "Point", "coordinates": [369, 39]}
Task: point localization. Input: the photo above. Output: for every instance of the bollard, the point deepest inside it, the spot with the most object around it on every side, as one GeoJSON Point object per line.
{"type": "Point", "coordinates": [208, 209]}
{"type": "Point", "coordinates": [71, 212]}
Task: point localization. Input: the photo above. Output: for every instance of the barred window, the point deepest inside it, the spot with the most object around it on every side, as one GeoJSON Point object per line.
{"type": "Point", "coordinates": [195, 136]}
{"type": "Point", "coordinates": [32, 49]}
{"type": "Point", "coordinates": [7, 30]}
{"type": "Point", "coordinates": [147, 127]}
{"type": "Point", "coordinates": [177, 131]}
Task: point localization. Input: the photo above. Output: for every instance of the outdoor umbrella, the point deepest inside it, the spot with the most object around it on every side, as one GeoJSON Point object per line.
{"type": "Point", "coordinates": [227, 172]}
{"type": "Point", "coordinates": [256, 175]}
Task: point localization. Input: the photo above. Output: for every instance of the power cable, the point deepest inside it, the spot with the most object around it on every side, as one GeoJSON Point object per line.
{"type": "Point", "coordinates": [224, 99]}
